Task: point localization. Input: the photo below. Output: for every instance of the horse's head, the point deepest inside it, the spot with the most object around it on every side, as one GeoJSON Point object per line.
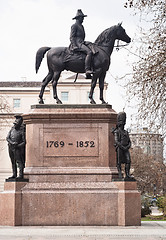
{"type": "Point", "coordinates": [108, 36]}
{"type": "Point", "coordinates": [121, 34]}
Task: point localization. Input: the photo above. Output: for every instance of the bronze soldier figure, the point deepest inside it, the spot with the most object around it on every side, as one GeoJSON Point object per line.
{"type": "Point", "coordinates": [16, 145]}
{"type": "Point", "coordinates": [77, 37]}
{"type": "Point", "coordinates": [122, 144]}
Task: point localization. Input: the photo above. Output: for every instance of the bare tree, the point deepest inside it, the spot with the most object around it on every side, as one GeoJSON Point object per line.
{"type": "Point", "coordinates": [148, 171]}
{"type": "Point", "coordinates": [4, 105]}
{"type": "Point", "coordinates": [6, 116]}
{"type": "Point", "coordinates": [148, 82]}
{"type": "Point", "coordinates": [6, 112]}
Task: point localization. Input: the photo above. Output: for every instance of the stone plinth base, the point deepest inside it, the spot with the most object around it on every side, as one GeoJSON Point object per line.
{"type": "Point", "coordinates": [129, 203]}
{"type": "Point", "coordinates": [71, 165]}
{"type": "Point", "coordinates": [11, 204]}
{"type": "Point", "coordinates": [70, 204]}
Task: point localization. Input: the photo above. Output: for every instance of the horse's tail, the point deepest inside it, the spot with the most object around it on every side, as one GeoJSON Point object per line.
{"type": "Point", "coordinates": [39, 56]}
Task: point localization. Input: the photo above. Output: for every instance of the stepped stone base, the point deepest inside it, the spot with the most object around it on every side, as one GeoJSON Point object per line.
{"type": "Point", "coordinates": [71, 168]}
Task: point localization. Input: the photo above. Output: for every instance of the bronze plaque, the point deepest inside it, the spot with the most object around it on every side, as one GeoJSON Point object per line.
{"type": "Point", "coordinates": [71, 142]}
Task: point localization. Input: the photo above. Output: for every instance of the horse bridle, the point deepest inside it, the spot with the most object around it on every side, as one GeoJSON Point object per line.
{"type": "Point", "coordinates": [117, 48]}
{"type": "Point", "coordinates": [118, 45]}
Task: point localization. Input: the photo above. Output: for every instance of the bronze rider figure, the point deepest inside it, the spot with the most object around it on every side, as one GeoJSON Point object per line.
{"type": "Point", "coordinates": [77, 37]}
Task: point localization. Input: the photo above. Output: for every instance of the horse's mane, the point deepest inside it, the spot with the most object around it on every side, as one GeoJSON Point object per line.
{"type": "Point", "coordinates": [105, 36]}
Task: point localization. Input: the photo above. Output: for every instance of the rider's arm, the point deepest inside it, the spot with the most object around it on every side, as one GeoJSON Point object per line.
{"type": "Point", "coordinates": [73, 36]}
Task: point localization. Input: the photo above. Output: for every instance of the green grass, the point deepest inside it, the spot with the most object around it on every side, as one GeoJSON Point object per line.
{"type": "Point", "coordinates": [153, 218]}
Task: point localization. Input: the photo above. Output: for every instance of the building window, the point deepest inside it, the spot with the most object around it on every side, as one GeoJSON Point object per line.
{"type": "Point", "coordinates": [65, 96]}
{"type": "Point", "coordinates": [16, 102]}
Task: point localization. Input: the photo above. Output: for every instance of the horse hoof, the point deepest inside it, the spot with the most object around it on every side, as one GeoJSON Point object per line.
{"type": "Point", "coordinates": [92, 101]}
{"type": "Point", "coordinates": [58, 101]}
{"type": "Point", "coordinates": [103, 102]}
{"type": "Point", "coordinates": [41, 101]}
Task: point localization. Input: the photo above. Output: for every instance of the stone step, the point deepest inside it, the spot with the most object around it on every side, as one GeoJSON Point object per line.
{"type": "Point", "coordinates": [3, 176]}
{"type": "Point", "coordinates": [71, 186]}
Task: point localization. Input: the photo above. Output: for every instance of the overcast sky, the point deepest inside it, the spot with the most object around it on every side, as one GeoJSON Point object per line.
{"type": "Point", "coordinates": [27, 25]}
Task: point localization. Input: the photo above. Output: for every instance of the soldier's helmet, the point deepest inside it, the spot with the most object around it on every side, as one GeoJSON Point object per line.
{"type": "Point", "coordinates": [121, 118]}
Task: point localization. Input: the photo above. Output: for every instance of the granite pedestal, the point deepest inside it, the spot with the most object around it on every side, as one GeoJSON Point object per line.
{"type": "Point", "coordinates": [71, 167]}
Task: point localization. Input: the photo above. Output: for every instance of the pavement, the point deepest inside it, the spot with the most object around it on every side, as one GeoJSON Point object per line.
{"type": "Point", "coordinates": [155, 212]}
{"type": "Point", "coordinates": [150, 230]}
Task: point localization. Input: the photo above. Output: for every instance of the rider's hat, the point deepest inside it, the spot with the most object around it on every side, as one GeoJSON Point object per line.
{"type": "Point", "coordinates": [79, 14]}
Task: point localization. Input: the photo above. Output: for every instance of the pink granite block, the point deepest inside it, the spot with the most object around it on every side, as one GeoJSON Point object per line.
{"type": "Point", "coordinates": [11, 204]}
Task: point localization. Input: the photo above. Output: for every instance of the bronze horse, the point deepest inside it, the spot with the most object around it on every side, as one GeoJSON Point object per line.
{"type": "Point", "coordinates": [60, 58]}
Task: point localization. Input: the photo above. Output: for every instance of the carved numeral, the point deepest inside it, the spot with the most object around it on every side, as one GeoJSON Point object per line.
{"type": "Point", "coordinates": [85, 144]}
{"type": "Point", "coordinates": [55, 144]}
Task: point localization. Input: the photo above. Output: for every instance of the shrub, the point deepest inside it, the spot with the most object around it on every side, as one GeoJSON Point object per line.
{"type": "Point", "coordinates": [145, 206]}
{"type": "Point", "coordinates": [161, 203]}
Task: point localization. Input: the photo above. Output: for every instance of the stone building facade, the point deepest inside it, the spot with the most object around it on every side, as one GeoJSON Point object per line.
{"type": "Point", "coordinates": [151, 143]}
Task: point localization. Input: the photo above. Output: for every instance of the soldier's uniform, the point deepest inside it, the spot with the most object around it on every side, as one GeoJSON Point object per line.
{"type": "Point", "coordinates": [122, 143]}
{"type": "Point", "coordinates": [16, 145]}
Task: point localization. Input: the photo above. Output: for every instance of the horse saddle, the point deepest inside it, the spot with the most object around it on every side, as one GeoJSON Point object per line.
{"type": "Point", "coordinates": [71, 55]}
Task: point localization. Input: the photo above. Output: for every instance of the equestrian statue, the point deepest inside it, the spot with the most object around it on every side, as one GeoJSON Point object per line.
{"type": "Point", "coordinates": [93, 59]}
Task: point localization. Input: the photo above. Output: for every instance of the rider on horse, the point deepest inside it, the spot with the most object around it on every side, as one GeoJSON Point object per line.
{"type": "Point", "coordinates": [77, 37]}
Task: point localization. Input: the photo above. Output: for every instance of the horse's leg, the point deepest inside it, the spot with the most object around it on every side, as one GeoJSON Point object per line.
{"type": "Point", "coordinates": [54, 85]}
{"type": "Point", "coordinates": [101, 86]}
{"type": "Point", "coordinates": [93, 85]}
{"type": "Point", "coordinates": [45, 82]}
